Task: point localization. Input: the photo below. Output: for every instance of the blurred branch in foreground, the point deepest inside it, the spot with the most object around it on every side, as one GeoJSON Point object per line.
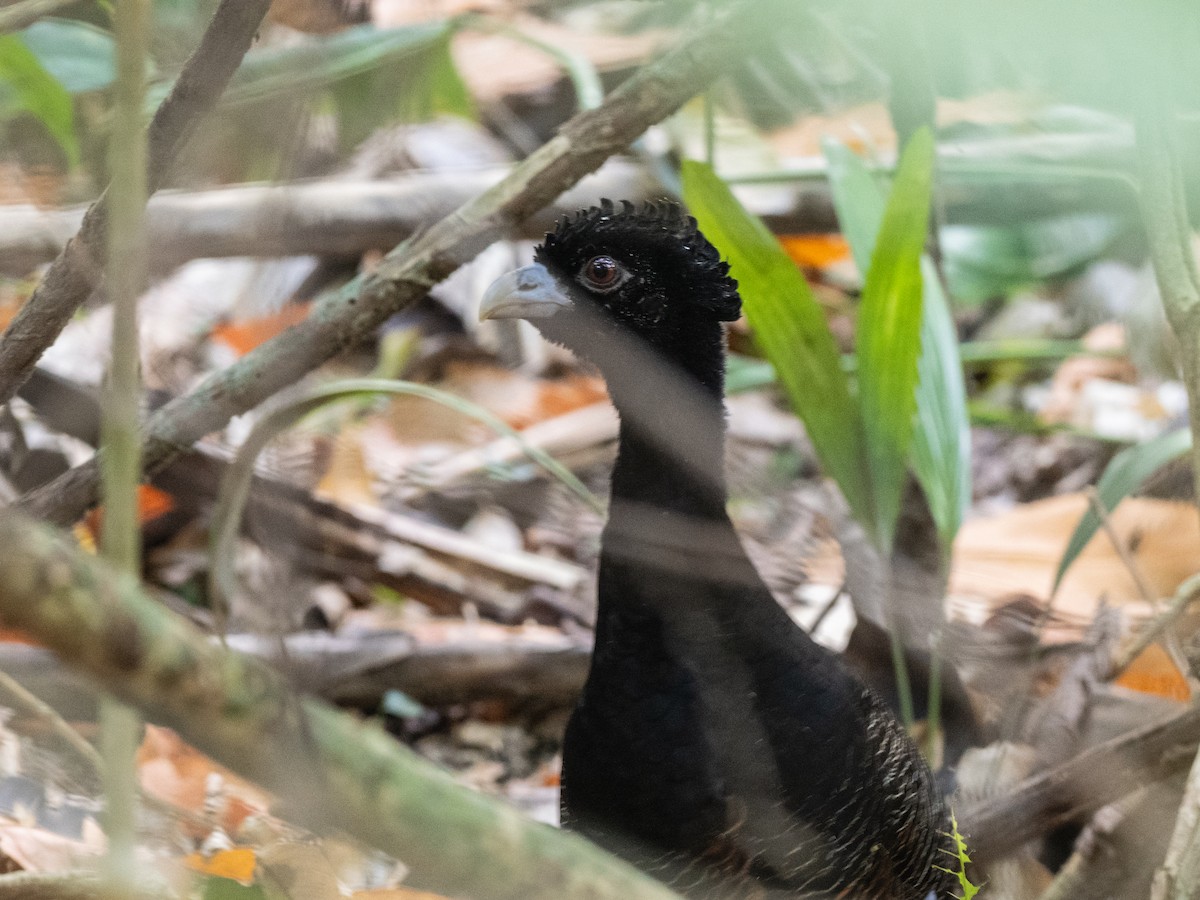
{"type": "Point", "coordinates": [335, 771]}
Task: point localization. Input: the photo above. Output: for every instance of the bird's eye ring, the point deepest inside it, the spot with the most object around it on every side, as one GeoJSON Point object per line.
{"type": "Point", "coordinates": [602, 273]}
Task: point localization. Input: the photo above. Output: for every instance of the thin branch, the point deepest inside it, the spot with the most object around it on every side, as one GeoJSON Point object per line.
{"type": "Point", "coordinates": [15, 695]}
{"type": "Point", "coordinates": [120, 539]}
{"type": "Point", "coordinates": [1185, 595]}
{"type": "Point", "coordinates": [24, 14]}
{"type": "Point", "coordinates": [409, 271]}
{"type": "Point", "coordinates": [1149, 597]}
{"type": "Point", "coordinates": [76, 271]}
{"type": "Point", "coordinates": [996, 827]}
{"type": "Point", "coordinates": [337, 771]}
{"type": "Point", "coordinates": [333, 217]}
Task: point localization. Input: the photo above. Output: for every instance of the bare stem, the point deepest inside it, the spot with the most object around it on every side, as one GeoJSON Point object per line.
{"type": "Point", "coordinates": [120, 540]}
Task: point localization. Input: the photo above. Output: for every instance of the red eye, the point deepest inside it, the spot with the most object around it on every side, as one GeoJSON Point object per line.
{"type": "Point", "coordinates": [601, 271]}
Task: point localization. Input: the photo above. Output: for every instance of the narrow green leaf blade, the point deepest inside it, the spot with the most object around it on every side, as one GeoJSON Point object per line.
{"type": "Point", "coordinates": [790, 327]}
{"type": "Point", "coordinates": [941, 445]}
{"type": "Point", "coordinates": [859, 199]}
{"type": "Point", "coordinates": [26, 87]}
{"type": "Point", "coordinates": [889, 333]}
{"type": "Point", "coordinates": [941, 441]}
{"type": "Point", "coordinates": [1124, 474]}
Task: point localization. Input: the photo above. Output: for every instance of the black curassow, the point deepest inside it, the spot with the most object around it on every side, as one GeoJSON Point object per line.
{"type": "Point", "coordinates": [715, 745]}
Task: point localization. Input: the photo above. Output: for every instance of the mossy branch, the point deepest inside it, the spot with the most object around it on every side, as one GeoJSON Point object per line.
{"type": "Point", "coordinates": [334, 771]}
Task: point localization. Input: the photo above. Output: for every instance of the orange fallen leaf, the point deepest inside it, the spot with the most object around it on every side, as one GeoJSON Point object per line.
{"type": "Point", "coordinates": [347, 478]}
{"type": "Point", "coordinates": [244, 336]}
{"type": "Point", "coordinates": [1154, 672]}
{"type": "Point", "coordinates": [152, 504]}
{"type": "Point", "coordinates": [815, 251]}
{"type": "Point", "coordinates": [175, 772]}
{"type": "Point", "coordinates": [236, 864]}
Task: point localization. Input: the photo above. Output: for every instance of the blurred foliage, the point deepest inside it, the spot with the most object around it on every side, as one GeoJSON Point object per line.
{"type": "Point", "coordinates": [81, 57]}
{"type": "Point", "coordinates": [28, 88]}
{"type": "Point", "coordinates": [367, 77]}
{"type": "Point", "coordinates": [861, 429]}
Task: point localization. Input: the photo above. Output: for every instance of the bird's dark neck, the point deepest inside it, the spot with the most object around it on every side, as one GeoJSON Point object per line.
{"type": "Point", "coordinates": [671, 446]}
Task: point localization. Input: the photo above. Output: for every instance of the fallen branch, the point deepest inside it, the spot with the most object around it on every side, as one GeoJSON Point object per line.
{"type": "Point", "coordinates": [335, 771]}
{"type": "Point", "coordinates": [1076, 789]}
{"type": "Point", "coordinates": [334, 217]}
{"type": "Point", "coordinates": [76, 271]}
{"type": "Point", "coordinates": [357, 670]}
{"type": "Point", "coordinates": [332, 539]}
{"type": "Point", "coordinates": [409, 271]}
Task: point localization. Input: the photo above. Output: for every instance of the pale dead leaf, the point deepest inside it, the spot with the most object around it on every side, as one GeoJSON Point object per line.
{"type": "Point", "coordinates": [1016, 553]}
{"type": "Point", "coordinates": [37, 850]}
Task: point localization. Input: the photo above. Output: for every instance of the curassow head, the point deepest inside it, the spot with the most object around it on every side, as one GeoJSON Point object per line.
{"type": "Point", "coordinates": [648, 271]}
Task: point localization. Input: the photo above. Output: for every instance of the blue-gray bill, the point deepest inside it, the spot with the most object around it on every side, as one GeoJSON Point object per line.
{"type": "Point", "coordinates": [527, 293]}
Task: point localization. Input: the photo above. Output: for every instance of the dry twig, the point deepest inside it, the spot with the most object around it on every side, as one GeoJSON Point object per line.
{"type": "Point", "coordinates": [76, 271]}
{"type": "Point", "coordinates": [409, 271]}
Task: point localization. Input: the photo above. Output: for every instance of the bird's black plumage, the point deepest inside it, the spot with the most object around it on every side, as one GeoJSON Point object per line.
{"type": "Point", "coordinates": [715, 744]}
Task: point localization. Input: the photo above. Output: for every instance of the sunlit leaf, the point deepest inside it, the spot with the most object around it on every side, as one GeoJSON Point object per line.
{"type": "Point", "coordinates": [888, 333]}
{"type": "Point", "coordinates": [790, 327]}
{"type": "Point", "coordinates": [80, 56]}
{"type": "Point", "coordinates": [1123, 475]}
{"type": "Point", "coordinates": [27, 87]}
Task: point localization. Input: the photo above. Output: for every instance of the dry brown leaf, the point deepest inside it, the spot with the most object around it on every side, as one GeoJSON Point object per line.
{"type": "Point", "coordinates": [494, 66]}
{"type": "Point", "coordinates": [347, 478]}
{"type": "Point", "coordinates": [180, 775]}
{"type": "Point", "coordinates": [1016, 553]}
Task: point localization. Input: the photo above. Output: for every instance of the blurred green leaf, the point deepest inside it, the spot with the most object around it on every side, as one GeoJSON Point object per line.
{"type": "Point", "coordinates": [888, 333]}
{"type": "Point", "coordinates": [80, 56]}
{"type": "Point", "coordinates": [790, 327]}
{"type": "Point", "coordinates": [26, 87]}
{"type": "Point", "coordinates": [1123, 475]}
{"type": "Point", "coordinates": [290, 71]}
{"type": "Point", "coordinates": [941, 450]}
{"type": "Point", "coordinates": [216, 888]}
{"type": "Point", "coordinates": [941, 442]}
{"type": "Point", "coordinates": [413, 88]}
{"type": "Point", "coordinates": [982, 263]}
